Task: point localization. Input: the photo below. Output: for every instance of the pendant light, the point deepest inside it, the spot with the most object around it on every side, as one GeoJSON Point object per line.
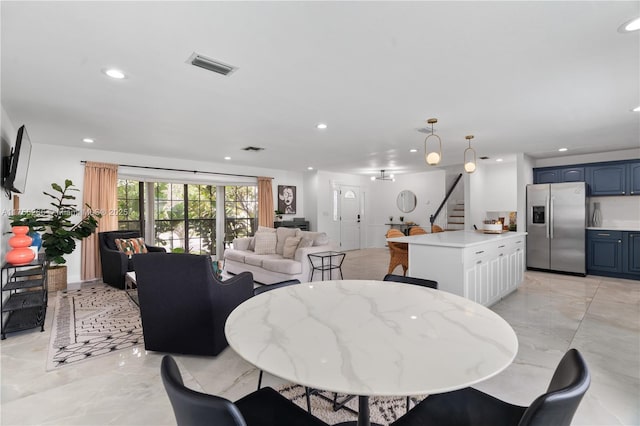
{"type": "Point", "coordinates": [469, 157]}
{"type": "Point", "coordinates": [432, 157]}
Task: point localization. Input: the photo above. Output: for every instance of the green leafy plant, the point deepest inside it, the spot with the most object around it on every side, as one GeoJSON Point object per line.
{"type": "Point", "coordinates": [30, 218]}
{"type": "Point", "coordinates": [60, 232]}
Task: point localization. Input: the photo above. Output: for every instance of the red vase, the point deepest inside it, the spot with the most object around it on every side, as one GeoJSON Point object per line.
{"type": "Point", "coordinates": [21, 254]}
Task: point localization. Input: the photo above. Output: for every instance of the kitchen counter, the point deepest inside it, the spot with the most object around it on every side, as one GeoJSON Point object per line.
{"type": "Point", "coordinates": [481, 267]}
{"type": "Point", "coordinates": [614, 228]}
{"type": "Point", "coordinates": [461, 239]}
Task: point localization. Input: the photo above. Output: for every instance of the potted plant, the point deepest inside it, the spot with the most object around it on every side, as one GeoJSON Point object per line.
{"type": "Point", "coordinates": [278, 215]}
{"type": "Point", "coordinates": [59, 232]}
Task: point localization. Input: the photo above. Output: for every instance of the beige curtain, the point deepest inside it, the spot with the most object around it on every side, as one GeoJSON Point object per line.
{"type": "Point", "coordinates": [101, 193]}
{"type": "Point", "coordinates": [265, 202]}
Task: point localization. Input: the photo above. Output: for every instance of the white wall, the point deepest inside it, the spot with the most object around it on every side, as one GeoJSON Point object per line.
{"type": "Point", "coordinates": [501, 187]}
{"type": "Point", "coordinates": [524, 178]}
{"type": "Point", "coordinates": [474, 207]}
{"type": "Point", "coordinates": [429, 188]}
{"type": "Point", "coordinates": [51, 163]}
{"type": "Point", "coordinates": [617, 212]}
{"type": "Point", "coordinates": [7, 141]}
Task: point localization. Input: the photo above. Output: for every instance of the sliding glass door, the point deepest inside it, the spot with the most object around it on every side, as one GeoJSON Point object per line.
{"type": "Point", "coordinates": [184, 216]}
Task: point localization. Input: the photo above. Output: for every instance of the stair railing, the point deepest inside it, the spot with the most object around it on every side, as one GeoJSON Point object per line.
{"type": "Point", "coordinates": [433, 217]}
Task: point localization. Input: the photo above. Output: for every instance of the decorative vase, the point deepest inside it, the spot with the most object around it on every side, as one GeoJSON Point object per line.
{"type": "Point", "coordinates": [596, 218]}
{"type": "Point", "coordinates": [36, 239]}
{"type": "Point", "coordinates": [20, 254]}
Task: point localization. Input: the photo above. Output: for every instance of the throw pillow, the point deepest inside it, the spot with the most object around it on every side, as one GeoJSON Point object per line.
{"type": "Point", "coordinates": [305, 242]}
{"type": "Point", "coordinates": [282, 235]}
{"type": "Point", "coordinates": [252, 243]}
{"type": "Point", "coordinates": [265, 243]}
{"type": "Point", "coordinates": [290, 246]}
{"type": "Point", "coordinates": [319, 238]}
{"type": "Point", "coordinates": [131, 246]}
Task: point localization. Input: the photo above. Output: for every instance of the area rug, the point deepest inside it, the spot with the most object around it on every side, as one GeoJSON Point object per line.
{"type": "Point", "coordinates": [383, 410]}
{"type": "Point", "coordinates": [92, 322]}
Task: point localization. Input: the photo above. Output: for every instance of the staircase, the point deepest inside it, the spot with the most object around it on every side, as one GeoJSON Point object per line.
{"type": "Point", "coordinates": [455, 221]}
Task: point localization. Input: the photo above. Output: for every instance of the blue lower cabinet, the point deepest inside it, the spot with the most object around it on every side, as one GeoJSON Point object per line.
{"type": "Point", "coordinates": [613, 253]}
{"type": "Point", "coordinates": [604, 251]}
{"type": "Point", "coordinates": [631, 252]}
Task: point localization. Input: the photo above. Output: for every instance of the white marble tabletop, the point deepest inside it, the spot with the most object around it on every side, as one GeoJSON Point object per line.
{"type": "Point", "coordinates": [368, 338]}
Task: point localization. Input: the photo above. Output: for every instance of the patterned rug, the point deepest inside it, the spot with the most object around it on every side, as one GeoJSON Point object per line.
{"type": "Point", "coordinates": [383, 410]}
{"type": "Point", "coordinates": [91, 322]}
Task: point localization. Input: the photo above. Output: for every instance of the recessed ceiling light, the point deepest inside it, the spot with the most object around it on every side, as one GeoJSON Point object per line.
{"type": "Point", "coordinates": [413, 150]}
{"type": "Point", "coordinates": [499, 160]}
{"type": "Point", "coordinates": [632, 25]}
{"type": "Point", "coordinates": [309, 168]}
{"type": "Point", "coordinates": [321, 126]}
{"type": "Point", "coordinates": [114, 73]}
{"type": "Point", "coordinates": [88, 140]}
{"type": "Point", "coordinates": [636, 109]}
{"type": "Point", "coordinates": [563, 149]}
{"type": "Point", "coordinates": [227, 158]}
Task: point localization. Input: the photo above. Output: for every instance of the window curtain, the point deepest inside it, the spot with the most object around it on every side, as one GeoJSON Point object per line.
{"type": "Point", "coordinates": [101, 193]}
{"type": "Point", "coordinates": [265, 202]}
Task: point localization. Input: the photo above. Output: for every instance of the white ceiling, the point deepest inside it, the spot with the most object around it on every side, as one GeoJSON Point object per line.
{"type": "Point", "coordinates": [521, 76]}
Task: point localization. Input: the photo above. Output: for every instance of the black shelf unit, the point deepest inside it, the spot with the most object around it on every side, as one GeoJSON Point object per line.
{"type": "Point", "coordinates": [24, 296]}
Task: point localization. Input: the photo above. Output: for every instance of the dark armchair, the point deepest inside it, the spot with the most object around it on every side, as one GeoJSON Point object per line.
{"type": "Point", "coordinates": [183, 305]}
{"type": "Point", "coordinates": [115, 264]}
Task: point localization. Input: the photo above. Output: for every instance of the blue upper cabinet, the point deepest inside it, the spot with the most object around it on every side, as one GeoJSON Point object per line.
{"type": "Point", "coordinates": [633, 178]}
{"type": "Point", "coordinates": [572, 174]}
{"type": "Point", "coordinates": [545, 176]}
{"type": "Point", "coordinates": [607, 179]}
{"type": "Point", "coordinates": [558, 175]}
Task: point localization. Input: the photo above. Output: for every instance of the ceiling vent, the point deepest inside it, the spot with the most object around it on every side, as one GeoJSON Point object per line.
{"type": "Point", "coordinates": [210, 64]}
{"type": "Point", "coordinates": [252, 148]}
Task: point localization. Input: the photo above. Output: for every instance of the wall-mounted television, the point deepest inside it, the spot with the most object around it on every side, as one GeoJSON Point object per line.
{"type": "Point", "coordinates": [18, 163]}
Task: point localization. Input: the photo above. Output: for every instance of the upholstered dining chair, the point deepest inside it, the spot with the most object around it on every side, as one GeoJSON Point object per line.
{"type": "Point", "coordinates": [417, 230]}
{"type": "Point", "coordinates": [183, 305]}
{"type": "Point", "coordinates": [411, 280]}
{"type": "Point", "coordinates": [399, 252]}
{"type": "Point", "coordinates": [264, 407]}
{"type": "Point", "coordinates": [471, 407]}
{"type": "Point", "coordinates": [436, 228]}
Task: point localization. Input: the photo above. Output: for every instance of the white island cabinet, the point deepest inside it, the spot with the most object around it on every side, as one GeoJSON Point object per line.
{"type": "Point", "coordinates": [480, 267]}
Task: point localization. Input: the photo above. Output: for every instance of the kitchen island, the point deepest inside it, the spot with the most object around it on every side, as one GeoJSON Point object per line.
{"type": "Point", "coordinates": [481, 267]}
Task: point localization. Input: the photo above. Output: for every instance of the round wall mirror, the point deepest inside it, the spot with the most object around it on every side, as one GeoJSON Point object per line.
{"type": "Point", "coordinates": [406, 201]}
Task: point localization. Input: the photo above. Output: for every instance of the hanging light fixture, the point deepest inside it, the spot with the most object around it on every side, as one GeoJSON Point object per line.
{"type": "Point", "coordinates": [383, 177]}
{"type": "Point", "coordinates": [469, 161]}
{"type": "Point", "coordinates": [432, 157]}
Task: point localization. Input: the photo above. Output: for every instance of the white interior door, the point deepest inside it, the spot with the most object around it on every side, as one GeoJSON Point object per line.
{"type": "Point", "coordinates": [349, 217]}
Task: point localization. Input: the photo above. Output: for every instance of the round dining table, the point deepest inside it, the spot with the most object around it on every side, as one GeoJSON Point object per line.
{"type": "Point", "coordinates": [371, 338]}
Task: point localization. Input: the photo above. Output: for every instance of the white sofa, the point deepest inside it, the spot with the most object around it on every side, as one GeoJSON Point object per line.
{"type": "Point", "coordinates": [272, 268]}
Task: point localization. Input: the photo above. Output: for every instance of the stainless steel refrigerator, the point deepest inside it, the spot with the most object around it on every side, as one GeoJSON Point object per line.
{"type": "Point", "coordinates": [556, 221]}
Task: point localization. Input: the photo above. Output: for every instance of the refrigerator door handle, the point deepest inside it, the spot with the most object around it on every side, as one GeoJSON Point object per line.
{"type": "Point", "coordinates": [546, 215]}
{"type": "Point", "coordinates": [551, 217]}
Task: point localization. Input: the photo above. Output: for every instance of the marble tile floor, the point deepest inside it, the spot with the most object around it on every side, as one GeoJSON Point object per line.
{"type": "Point", "coordinates": [550, 313]}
